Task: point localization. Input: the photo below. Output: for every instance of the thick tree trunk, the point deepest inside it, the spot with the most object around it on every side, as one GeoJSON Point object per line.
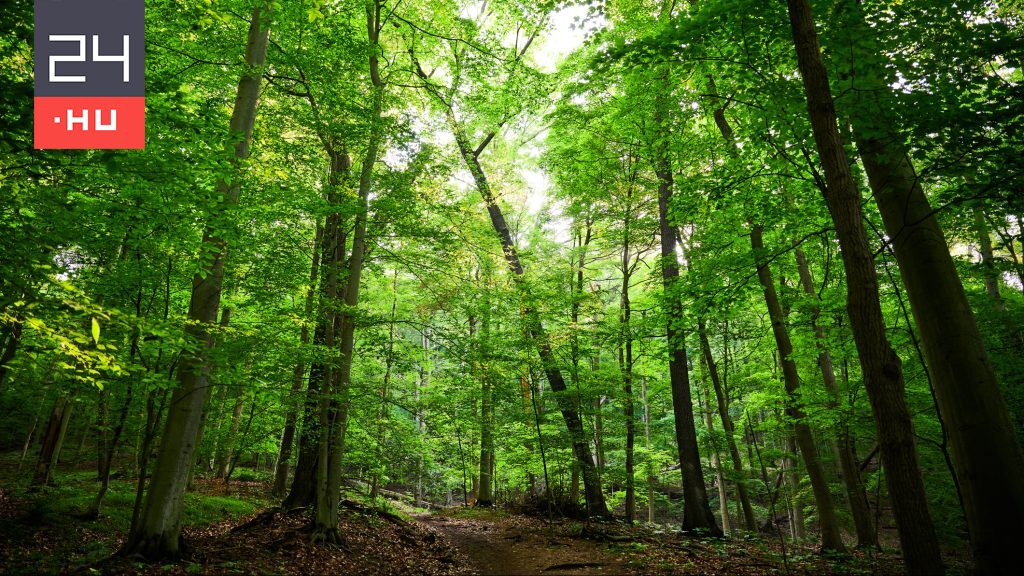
{"type": "Point", "coordinates": [53, 439]}
{"type": "Point", "coordinates": [159, 531]}
{"type": "Point", "coordinates": [883, 374]}
{"type": "Point", "coordinates": [334, 407]}
{"type": "Point", "coordinates": [332, 254]}
{"type": "Point", "coordinates": [831, 538]}
{"type": "Point", "coordinates": [987, 458]}
{"type": "Point", "coordinates": [314, 457]}
{"type": "Point", "coordinates": [986, 455]}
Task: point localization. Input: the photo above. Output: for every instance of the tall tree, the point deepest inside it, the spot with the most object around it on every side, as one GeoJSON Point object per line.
{"type": "Point", "coordinates": [883, 374]}
{"type": "Point", "coordinates": [969, 399]}
{"type": "Point", "coordinates": [159, 529]}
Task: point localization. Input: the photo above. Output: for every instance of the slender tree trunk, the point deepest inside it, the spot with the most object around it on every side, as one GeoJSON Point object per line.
{"type": "Point", "coordinates": [227, 453]}
{"type": "Point", "coordinates": [227, 448]}
{"type": "Point", "coordinates": [385, 390]}
{"type": "Point", "coordinates": [883, 374]}
{"type": "Point", "coordinates": [626, 368]}
{"type": "Point", "coordinates": [28, 441]}
{"type": "Point", "coordinates": [867, 537]}
{"type": "Point", "coordinates": [159, 533]}
{"type": "Point", "coordinates": [154, 412]}
{"type": "Point", "coordinates": [102, 432]}
{"type": "Point", "coordinates": [238, 445]}
{"type": "Point", "coordinates": [485, 495]}
{"type": "Point", "coordinates": [831, 538]}
{"type": "Point", "coordinates": [567, 405]}
{"type": "Point", "coordinates": [988, 267]}
{"type": "Point", "coordinates": [697, 513]}
{"type": "Point", "coordinates": [651, 477]}
{"type": "Point", "coordinates": [94, 509]}
{"type": "Point", "coordinates": [729, 429]}
{"type": "Point", "coordinates": [796, 510]}
{"type": "Point", "coordinates": [716, 463]}
{"type": "Point", "coordinates": [422, 384]}
{"type": "Point", "coordinates": [284, 453]}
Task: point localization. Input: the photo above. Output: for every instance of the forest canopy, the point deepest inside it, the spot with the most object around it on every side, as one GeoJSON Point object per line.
{"type": "Point", "coordinates": [743, 269]}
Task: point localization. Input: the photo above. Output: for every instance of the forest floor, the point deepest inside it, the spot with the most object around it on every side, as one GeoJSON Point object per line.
{"type": "Point", "coordinates": [496, 543]}
{"type": "Point", "coordinates": [234, 529]}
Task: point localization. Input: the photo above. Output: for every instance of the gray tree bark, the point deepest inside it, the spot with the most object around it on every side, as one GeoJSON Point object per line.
{"type": "Point", "coordinates": [159, 529]}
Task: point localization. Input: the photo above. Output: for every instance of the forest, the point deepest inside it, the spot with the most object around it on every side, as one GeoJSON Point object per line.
{"type": "Point", "coordinates": [523, 287]}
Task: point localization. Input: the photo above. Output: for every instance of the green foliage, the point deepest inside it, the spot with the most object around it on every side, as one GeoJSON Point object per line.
{"type": "Point", "coordinates": [99, 249]}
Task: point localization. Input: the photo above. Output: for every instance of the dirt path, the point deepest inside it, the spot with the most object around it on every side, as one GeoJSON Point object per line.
{"type": "Point", "coordinates": [501, 547]}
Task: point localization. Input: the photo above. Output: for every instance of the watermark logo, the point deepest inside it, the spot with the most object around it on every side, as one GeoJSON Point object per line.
{"type": "Point", "coordinates": [90, 74]}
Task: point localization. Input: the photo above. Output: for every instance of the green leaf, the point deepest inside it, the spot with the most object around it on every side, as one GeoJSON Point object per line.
{"type": "Point", "coordinates": [95, 331]}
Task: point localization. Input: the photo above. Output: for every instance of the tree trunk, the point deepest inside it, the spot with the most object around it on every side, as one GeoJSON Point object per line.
{"type": "Point", "coordinates": [10, 347]}
{"type": "Point", "coordinates": [28, 441]}
{"type": "Point", "coordinates": [102, 433]}
{"type": "Point", "coordinates": [227, 448]}
{"type": "Point", "coordinates": [988, 267]}
{"type": "Point", "coordinates": [312, 487]}
{"type": "Point", "coordinates": [651, 477]}
{"type": "Point", "coordinates": [284, 454]}
{"type": "Point", "coordinates": [716, 463]}
{"type": "Point", "coordinates": [94, 509]}
{"type": "Point", "coordinates": [697, 513]}
{"type": "Point", "coordinates": [56, 429]}
{"type": "Point", "coordinates": [422, 383]}
{"type": "Point", "coordinates": [334, 406]}
{"type": "Point", "coordinates": [883, 374]}
{"type": "Point", "coordinates": [796, 509]}
{"type": "Point", "coordinates": [567, 405]}
{"type": "Point", "coordinates": [159, 533]}
{"type": "Point", "coordinates": [626, 368]}
{"type": "Point", "coordinates": [225, 320]}
{"type": "Point", "coordinates": [332, 254]}
{"type": "Point", "coordinates": [867, 537]}
{"type": "Point", "coordinates": [729, 428]}
{"type": "Point", "coordinates": [831, 538]}
{"type": "Point", "coordinates": [987, 457]}
{"type": "Point", "coordinates": [485, 495]}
